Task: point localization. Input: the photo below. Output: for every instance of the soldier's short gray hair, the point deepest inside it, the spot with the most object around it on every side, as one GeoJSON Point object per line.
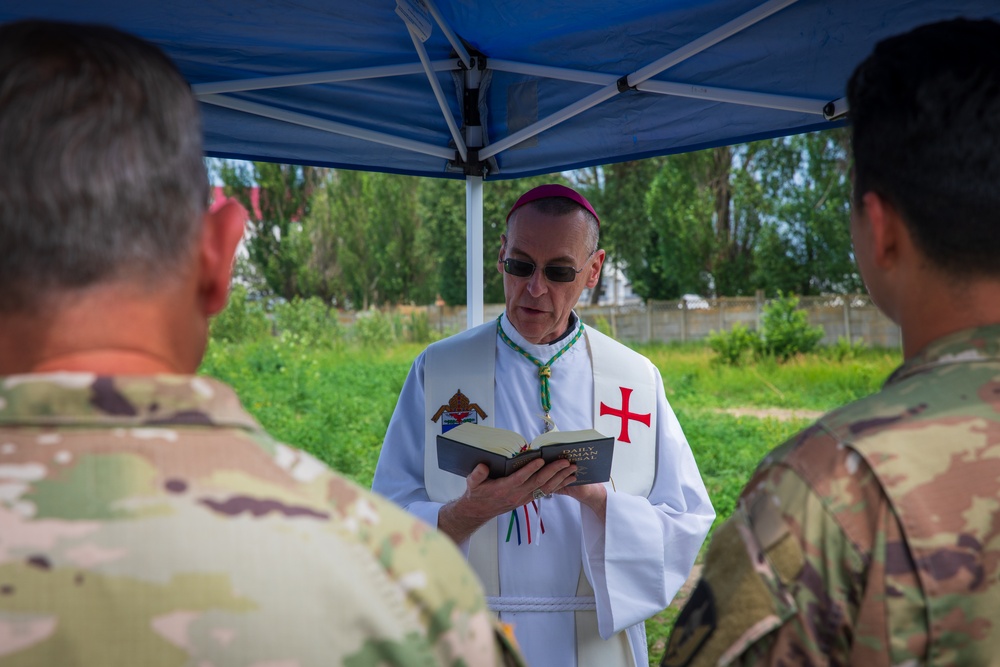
{"type": "Point", "coordinates": [102, 175]}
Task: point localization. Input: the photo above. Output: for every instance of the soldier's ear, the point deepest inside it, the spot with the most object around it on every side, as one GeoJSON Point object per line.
{"type": "Point", "coordinates": [887, 230]}
{"type": "Point", "coordinates": [220, 236]}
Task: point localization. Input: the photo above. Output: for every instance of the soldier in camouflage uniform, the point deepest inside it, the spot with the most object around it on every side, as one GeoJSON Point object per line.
{"type": "Point", "coordinates": [145, 518]}
{"type": "Point", "coordinates": [873, 537]}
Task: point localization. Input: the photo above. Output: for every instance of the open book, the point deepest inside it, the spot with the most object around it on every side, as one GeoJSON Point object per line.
{"type": "Point", "coordinates": [464, 447]}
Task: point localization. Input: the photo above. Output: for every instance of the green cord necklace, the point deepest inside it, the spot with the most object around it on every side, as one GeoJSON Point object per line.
{"type": "Point", "coordinates": [544, 370]}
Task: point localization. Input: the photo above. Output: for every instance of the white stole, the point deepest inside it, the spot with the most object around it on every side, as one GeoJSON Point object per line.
{"type": "Point", "coordinates": [624, 401]}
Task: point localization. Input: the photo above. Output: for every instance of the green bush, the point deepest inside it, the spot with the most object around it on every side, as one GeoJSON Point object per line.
{"type": "Point", "coordinates": [844, 350]}
{"type": "Point", "coordinates": [308, 322]}
{"type": "Point", "coordinates": [736, 346]}
{"type": "Point", "coordinates": [419, 330]}
{"type": "Point", "coordinates": [784, 333]}
{"type": "Point", "coordinates": [374, 329]}
{"type": "Point", "coordinates": [785, 329]}
{"type": "Point", "coordinates": [242, 320]}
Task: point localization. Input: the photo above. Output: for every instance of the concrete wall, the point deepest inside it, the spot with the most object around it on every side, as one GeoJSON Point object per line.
{"type": "Point", "coordinates": [853, 317]}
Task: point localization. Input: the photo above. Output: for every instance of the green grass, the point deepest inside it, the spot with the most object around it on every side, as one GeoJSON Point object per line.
{"type": "Point", "coordinates": [810, 382]}
{"type": "Point", "coordinates": [336, 403]}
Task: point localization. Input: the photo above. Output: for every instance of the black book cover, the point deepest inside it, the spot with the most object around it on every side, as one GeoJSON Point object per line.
{"type": "Point", "coordinates": [461, 452]}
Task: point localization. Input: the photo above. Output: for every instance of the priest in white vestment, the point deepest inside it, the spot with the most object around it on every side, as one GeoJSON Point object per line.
{"type": "Point", "coordinates": [575, 570]}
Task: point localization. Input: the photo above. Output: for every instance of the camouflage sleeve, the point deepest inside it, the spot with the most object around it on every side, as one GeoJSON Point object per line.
{"type": "Point", "coordinates": [787, 579]}
{"type": "Point", "coordinates": [172, 540]}
{"type": "Point", "coordinates": [459, 629]}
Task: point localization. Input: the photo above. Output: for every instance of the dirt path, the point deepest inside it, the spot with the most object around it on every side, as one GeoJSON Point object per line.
{"type": "Point", "coordinates": [685, 592]}
{"type": "Point", "coordinates": [777, 413]}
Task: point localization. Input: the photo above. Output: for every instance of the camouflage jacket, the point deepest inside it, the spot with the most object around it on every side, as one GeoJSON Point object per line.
{"type": "Point", "coordinates": [871, 538]}
{"type": "Point", "coordinates": [150, 521]}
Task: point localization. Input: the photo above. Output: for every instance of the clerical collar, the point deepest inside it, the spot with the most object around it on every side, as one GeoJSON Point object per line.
{"type": "Point", "coordinates": [544, 367]}
{"type": "Point", "coordinates": [539, 348]}
{"type": "Point", "coordinates": [570, 329]}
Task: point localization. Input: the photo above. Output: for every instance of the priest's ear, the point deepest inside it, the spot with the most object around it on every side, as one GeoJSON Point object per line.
{"type": "Point", "coordinates": [593, 268]}
{"type": "Point", "coordinates": [500, 255]}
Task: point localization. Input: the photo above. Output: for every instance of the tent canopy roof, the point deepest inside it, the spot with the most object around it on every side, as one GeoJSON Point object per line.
{"type": "Point", "coordinates": [296, 81]}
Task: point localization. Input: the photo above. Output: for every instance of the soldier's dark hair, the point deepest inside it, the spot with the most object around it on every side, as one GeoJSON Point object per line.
{"type": "Point", "coordinates": [925, 112]}
{"type": "Point", "coordinates": [102, 175]}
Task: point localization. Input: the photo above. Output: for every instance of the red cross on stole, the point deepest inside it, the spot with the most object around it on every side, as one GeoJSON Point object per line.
{"type": "Point", "coordinates": [624, 414]}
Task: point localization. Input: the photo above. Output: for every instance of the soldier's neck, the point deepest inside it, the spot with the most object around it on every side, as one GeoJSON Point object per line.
{"type": "Point", "coordinates": [112, 331]}
{"type": "Point", "coordinates": [106, 362]}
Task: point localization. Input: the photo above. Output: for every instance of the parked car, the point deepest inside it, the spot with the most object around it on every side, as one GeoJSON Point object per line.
{"type": "Point", "coordinates": [694, 302]}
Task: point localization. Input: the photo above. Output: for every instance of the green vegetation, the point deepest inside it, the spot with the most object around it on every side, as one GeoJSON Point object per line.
{"type": "Point", "coordinates": [785, 332]}
{"type": "Point", "coordinates": [335, 403]}
{"type": "Point", "coordinates": [736, 346]}
{"type": "Point", "coordinates": [770, 215]}
{"type": "Point", "coordinates": [335, 400]}
{"type": "Point", "coordinates": [242, 320]}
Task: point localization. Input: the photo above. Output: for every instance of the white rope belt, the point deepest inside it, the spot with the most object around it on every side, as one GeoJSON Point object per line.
{"type": "Point", "coordinates": [510, 603]}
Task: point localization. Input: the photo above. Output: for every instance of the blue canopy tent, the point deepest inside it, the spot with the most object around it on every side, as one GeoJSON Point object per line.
{"type": "Point", "coordinates": [496, 89]}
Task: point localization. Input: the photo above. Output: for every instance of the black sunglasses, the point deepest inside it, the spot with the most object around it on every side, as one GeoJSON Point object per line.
{"type": "Point", "coordinates": [557, 274]}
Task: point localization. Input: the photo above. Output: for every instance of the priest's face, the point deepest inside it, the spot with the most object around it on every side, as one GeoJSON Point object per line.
{"type": "Point", "coordinates": [537, 306]}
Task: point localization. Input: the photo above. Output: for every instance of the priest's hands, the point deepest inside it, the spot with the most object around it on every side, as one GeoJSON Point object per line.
{"type": "Point", "coordinates": [594, 496]}
{"type": "Point", "coordinates": [486, 498]}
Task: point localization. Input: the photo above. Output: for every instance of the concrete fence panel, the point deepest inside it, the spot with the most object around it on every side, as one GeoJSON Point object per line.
{"type": "Point", "coordinates": [852, 317]}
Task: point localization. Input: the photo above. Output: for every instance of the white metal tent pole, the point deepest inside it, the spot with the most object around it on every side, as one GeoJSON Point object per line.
{"type": "Point", "coordinates": [540, 126]}
{"type": "Point", "coordinates": [474, 137]}
{"type": "Point", "coordinates": [474, 251]}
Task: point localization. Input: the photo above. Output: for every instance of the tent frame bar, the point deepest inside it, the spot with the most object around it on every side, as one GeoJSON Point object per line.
{"type": "Point", "coordinates": [611, 85]}
{"type": "Point", "coordinates": [311, 78]}
{"type": "Point", "coordinates": [729, 96]}
{"type": "Point", "coordinates": [677, 89]}
{"type": "Point", "coordinates": [456, 43]}
{"type": "Point", "coordinates": [725, 31]}
{"type": "Point", "coordinates": [638, 80]}
{"type": "Point", "coordinates": [305, 120]}
{"type": "Point", "coordinates": [425, 61]}
{"type": "Point", "coordinates": [639, 76]}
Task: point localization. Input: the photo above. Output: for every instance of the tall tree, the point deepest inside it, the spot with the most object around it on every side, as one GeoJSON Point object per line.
{"type": "Point", "coordinates": [275, 239]}
{"type": "Point", "coordinates": [806, 248]}
{"type": "Point", "coordinates": [759, 172]}
{"type": "Point", "coordinates": [709, 214]}
{"type": "Point", "coordinates": [382, 254]}
{"type": "Point", "coordinates": [618, 193]}
{"type": "Point", "coordinates": [443, 205]}
{"type": "Point", "coordinates": [680, 243]}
